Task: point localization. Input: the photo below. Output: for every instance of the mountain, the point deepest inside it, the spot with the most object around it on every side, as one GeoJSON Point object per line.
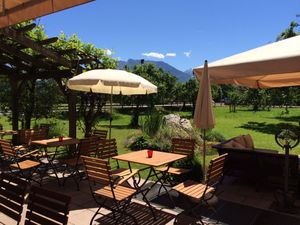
{"type": "Point", "coordinates": [190, 72]}
{"type": "Point", "coordinates": [181, 76]}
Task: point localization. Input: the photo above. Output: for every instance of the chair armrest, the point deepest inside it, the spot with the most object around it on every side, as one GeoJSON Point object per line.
{"type": "Point", "coordinates": [121, 179]}
{"type": "Point", "coordinates": [28, 154]}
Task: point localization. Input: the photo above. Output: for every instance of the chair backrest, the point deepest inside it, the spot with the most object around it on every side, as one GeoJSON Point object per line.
{"type": "Point", "coordinates": [39, 134]}
{"type": "Point", "coordinates": [7, 148]}
{"type": "Point", "coordinates": [26, 136]}
{"type": "Point", "coordinates": [100, 133]}
{"type": "Point", "coordinates": [215, 170]}
{"type": "Point", "coordinates": [97, 170]}
{"type": "Point", "coordinates": [184, 146]}
{"type": "Point", "coordinates": [47, 207]}
{"type": "Point", "coordinates": [45, 126]}
{"type": "Point", "coordinates": [107, 148]}
{"type": "Point", "coordinates": [88, 146]}
{"type": "Point", "coordinates": [12, 196]}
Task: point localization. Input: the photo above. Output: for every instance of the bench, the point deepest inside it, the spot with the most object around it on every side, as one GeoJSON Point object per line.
{"type": "Point", "coordinates": [264, 166]}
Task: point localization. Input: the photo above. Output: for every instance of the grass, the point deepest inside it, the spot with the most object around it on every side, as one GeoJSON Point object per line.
{"type": "Point", "coordinates": [261, 125]}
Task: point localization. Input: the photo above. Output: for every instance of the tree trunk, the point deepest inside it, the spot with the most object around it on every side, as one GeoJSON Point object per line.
{"type": "Point", "coordinates": [136, 113]}
{"type": "Point", "coordinates": [72, 113]}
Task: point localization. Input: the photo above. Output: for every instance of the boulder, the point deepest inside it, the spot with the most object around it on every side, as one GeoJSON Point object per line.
{"type": "Point", "coordinates": [177, 122]}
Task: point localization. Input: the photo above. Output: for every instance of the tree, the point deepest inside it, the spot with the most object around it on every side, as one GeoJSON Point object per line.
{"type": "Point", "coordinates": [289, 94]}
{"type": "Point", "coordinates": [91, 104]}
{"type": "Point", "coordinates": [289, 32]}
{"type": "Point", "coordinates": [190, 92]}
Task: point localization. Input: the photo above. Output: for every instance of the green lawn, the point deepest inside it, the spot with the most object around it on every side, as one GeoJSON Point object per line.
{"type": "Point", "coordinates": [261, 125]}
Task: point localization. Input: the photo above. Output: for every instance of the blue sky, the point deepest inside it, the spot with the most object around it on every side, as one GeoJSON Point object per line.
{"type": "Point", "coordinates": [182, 33]}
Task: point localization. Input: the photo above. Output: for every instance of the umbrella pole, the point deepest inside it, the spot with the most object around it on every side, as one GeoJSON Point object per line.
{"type": "Point", "coordinates": [110, 119]}
{"type": "Point", "coordinates": [204, 155]}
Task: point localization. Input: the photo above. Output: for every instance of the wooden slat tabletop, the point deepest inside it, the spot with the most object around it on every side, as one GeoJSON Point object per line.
{"type": "Point", "coordinates": [54, 142]}
{"type": "Point", "coordinates": [158, 159]}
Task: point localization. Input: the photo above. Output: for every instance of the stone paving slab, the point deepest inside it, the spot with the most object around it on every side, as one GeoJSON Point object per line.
{"type": "Point", "coordinates": [237, 204]}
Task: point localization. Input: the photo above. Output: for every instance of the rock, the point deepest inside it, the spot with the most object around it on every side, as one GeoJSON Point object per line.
{"type": "Point", "coordinates": [177, 122]}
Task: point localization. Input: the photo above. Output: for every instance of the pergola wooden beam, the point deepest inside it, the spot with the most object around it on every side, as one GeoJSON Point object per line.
{"type": "Point", "coordinates": [26, 28]}
{"type": "Point", "coordinates": [67, 51]}
{"type": "Point", "coordinates": [48, 41]}
{"type": "Point", "coordinates": [83, 61]}
{"type": "Point", "coordinates": [64, 73]}
{"type": "Point", "coordinates": [18, 64]}
{"type": "Point", "coordinates": [5, 70]}
{"type": "Point", "coordinates": [28, 58]}
{"type": "Point", "coordinates": [23, 40]}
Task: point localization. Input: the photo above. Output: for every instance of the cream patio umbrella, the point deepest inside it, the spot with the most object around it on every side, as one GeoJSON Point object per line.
{"type": "Point", "coordinates": [16, 11]}
{"type": "Point", "coordinates": [113, 82]}
{"type": "Point", "coordinates": [203, 116]}
{"type": "Point", "coordinates": [272, 65]}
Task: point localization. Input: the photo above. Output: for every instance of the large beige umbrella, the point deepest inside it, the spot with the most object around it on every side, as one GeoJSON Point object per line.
{"type": "Point", "coordinates": [113, 82]}
{"type": "Point", "coordinates": [272, 65]}
{"type": "Point", "coordinates": [16, 11]}
{"type": "Point", "coordinates": [203, 116]}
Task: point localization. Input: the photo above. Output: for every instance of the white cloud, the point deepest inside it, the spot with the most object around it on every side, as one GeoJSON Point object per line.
{"type": "Point", "coordinates": [108, 52]}
{"type": "Point", "coordinates": [188, 54]}
{"type": "Point", "coordinates": [154, 55]}
{"type": "Point", "coordinates": [170, 54]}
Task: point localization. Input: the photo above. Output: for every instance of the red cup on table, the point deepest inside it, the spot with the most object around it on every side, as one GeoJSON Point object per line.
{"type": "Point", "coordinates": [60, 138]}
{"type": "Point", "coordinates": [150, 153]}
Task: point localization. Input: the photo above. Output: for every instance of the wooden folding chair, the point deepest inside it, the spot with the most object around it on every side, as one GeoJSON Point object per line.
{"type": "Point", "coordinates": [107, 192]}
{"type": "Point", "coordinates": [182, 146]}
{"type": "Point", "coordinates": [107, 148]}
{"type": "Point", "coordinates": [100, 133]}
{"type": "Point", "coordinates": [47, 207]}
{"type": "Point", "coordinates": [21, 164]}
{"type": "Point", "coordinates": [203, 193]}
{"type": "Point", "coordinates": [12, 196]}
{"type": "Point", "coordinates": [88, 147]}
{"type": "Point", "coordinates": [26, 136]}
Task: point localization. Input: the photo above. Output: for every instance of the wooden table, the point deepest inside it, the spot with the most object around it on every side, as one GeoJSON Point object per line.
{"type": "Point", "coordinates": [158, 159]}
{"type": "Point", "coordinates": [54, 142]}
{"type": "Point", "coordinates": [7, 132]}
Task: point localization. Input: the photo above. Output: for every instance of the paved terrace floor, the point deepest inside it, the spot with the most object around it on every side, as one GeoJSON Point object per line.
{"type": "Point", "coordinates": [239, 204]}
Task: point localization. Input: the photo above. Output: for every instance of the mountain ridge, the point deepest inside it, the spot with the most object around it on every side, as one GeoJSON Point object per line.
{"type": "Point", "coordinates": [182, 76]}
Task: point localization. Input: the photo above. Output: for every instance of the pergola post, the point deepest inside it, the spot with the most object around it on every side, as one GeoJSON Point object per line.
{"type": "Point", "coordinates": [72, 113]}
{"type": "Point", "coordinates": [14, 103]}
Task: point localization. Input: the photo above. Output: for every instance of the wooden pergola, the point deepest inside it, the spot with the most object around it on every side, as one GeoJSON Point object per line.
{"type": "Point", "coordinates": [43, 62]}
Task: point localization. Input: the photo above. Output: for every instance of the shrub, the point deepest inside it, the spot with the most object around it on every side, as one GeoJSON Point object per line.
{"type": "Point", "coordinates": [152, 123]}
{"type": "Point", "coordinates": [55, 130]}
{"type": "Point", "coordinates": [136, 141]}
{"type": "Point", "coordinates": [214, 136]}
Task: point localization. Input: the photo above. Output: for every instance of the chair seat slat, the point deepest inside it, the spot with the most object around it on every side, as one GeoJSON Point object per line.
{"type": "Point", "coordinates": [10, 213]}
{"type": "Point", "coordinates": [43, 211]}
{"type": "Point", "coordinates": [174, 170]}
